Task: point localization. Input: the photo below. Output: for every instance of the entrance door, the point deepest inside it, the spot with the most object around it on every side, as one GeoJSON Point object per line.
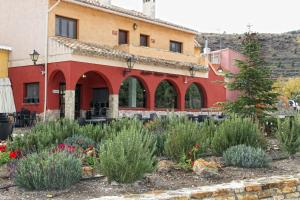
{"type": "Point", "coordinates": [77, 101]}
{"type": "Point", "coordinates": [100, 101]}
{"type": "Point", "coordinates": [62, 92]}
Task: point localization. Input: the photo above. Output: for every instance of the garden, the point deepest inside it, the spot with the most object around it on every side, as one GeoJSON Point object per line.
{"type": "Point", "coordinates": [61, 159]}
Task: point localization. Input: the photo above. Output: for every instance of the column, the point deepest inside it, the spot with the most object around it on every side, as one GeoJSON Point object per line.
{"type": "Point", "coordinates": [113, 111]}
{"type": "Point", "coordinates": [70, 104]}
{"type": "Point", "coordinates": [132, 92]}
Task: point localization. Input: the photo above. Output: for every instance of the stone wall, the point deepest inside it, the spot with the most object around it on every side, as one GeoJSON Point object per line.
{"type": "Point", "coordinates": [146, 113]}
{"type": "Point", "coordinates": [273, 188]}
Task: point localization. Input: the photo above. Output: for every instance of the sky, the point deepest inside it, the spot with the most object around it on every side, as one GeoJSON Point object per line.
{"type": "Point", "coordinates": [230, 16]}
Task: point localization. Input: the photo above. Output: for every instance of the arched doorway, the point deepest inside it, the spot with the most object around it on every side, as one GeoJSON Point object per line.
{"type": "Point", "coordinates": [166, 96]}
{"type": "Point", "coordinates": [56, 94]}
{"type": "Point", "coordinates": [91, 96]}
{"type": "Point", "coordinates": [194, 98]}
{"type": "Point", "coordinates": [132, 94]}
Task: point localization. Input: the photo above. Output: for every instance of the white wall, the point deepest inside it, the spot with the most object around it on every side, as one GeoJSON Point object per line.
{"type": "Point", "coordinates": [23, 27]}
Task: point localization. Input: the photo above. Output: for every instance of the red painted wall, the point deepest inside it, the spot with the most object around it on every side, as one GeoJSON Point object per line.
{"type": "Point", "coordinates": [111, 77]}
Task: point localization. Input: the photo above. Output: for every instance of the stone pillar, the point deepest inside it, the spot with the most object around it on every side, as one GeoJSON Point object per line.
{"type": "Point", "coordinates": [70, 104]}
{"type": "Point", "coordinates": [132, 93]}
{"type": "Point", "coordinates": [113, 111]}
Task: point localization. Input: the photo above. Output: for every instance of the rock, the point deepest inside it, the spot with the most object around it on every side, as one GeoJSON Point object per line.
{"type": "Point", "coordinates": [114, 183]}
{"type": "Point", "coordinates": [165, 166]}
{"type": "Point", "coordinates": [87, 171]}
{"type": "Point", "coordinates": [205, 168]}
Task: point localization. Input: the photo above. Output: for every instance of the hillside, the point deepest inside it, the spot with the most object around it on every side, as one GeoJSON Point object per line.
{"type": "Point", "coordinates": [279, 50]}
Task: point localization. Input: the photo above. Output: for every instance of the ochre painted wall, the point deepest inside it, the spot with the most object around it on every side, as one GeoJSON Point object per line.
{"type": "Point", "coordinates": [100, 27]}
{"type": "Point", "coordinates": [3, 63]}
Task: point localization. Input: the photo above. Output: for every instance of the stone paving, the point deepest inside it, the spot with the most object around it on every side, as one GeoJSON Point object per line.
{"type": "Point", "coordinates": [272, 188]}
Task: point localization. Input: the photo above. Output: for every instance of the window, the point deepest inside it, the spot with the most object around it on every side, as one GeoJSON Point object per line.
{"type": "Point", "coordinates": [32, 93]}
{"type": "Point", "coordinates": [144, 40]}
{"type": "Point", "coordinates": [123, 37]}
{"type": "Point", "coordinates": [66, 27]}
{"type": "Point", "coordinates": [176, 46]}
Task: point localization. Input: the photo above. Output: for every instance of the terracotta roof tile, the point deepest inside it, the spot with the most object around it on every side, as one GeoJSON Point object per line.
{"type": "Point", "coordinates": [133, 13]}
{"type": "Point", "coordinates": [91, 49]}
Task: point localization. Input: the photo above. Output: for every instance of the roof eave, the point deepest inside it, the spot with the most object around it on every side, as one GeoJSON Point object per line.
{"type": "Point", "coordinates": [7, 48]}
{"type": "Point", "coordinates": [130, 16]}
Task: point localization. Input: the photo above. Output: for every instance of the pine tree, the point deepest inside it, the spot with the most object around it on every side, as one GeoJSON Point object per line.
{"type": "Point", "coordinates": [253, 81]}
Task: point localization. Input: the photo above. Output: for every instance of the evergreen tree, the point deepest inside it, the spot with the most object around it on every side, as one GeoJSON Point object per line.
{"type": "Point", "coordinates": [253, 81]}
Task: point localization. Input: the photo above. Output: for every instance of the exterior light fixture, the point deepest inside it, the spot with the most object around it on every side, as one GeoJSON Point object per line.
{"type": "Point", "coordinates": [220, 69]}
{"type": "Point", "coordinates": [34, 56]}
{"type": "Point", "coordinates": [192, 71]}
{"type": "Point", "coordinates": [83, 76]}
{"type": "Point", "coordinates": [131, 62]}
{"type": "Point", "coordinates": [135, 26]}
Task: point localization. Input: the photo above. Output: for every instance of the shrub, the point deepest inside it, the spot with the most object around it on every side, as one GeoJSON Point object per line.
{"type": "Point", "coordinates": [246, 156]}
{"type": "Point", "coordinates": [182, 136]}
{"type": "Point", "coordinates": [48, 171]}
{"type": "Point", "coordinates": [127, 156]}
{"type": "Point", "coordinates": [44, 135]}
{"type": "Point", "coordinates": [288, 135]}
{"type": "Point", "coordinates": [207, 131]}
{"type": "Point", "coordinates": [116, 126]}
{"type": "Point", "coordinates": [235, 131]}
{"type": "Point", "coordinates": [80, 141]}
{"type": "Point", "coordinates": [4, 158]}
{"type": "Point", "coordinates": [94, 132]}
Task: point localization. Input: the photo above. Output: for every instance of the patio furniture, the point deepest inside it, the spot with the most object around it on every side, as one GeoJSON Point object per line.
{"type": "Point", "coordinates": [6, 126]}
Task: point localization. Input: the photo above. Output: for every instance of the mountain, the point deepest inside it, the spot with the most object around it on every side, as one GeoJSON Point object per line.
{"type": "Point", "coordinates": [279, 50]}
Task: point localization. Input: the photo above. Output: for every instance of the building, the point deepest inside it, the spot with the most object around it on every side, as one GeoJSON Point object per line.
{"type": "Point", "coordinates": [100, 60]}
{"type": "Point", "coordinates": [225, 60]}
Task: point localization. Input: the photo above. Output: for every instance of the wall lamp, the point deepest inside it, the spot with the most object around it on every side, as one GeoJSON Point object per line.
{"type": "Point", "coordinates": [192, 71]}
{"type": "Point", "coordinates": [220, 69]}
{"type": "Point", "coordinates": [35, 57]}
{"type": "Point", "coordinates": [130, 64]}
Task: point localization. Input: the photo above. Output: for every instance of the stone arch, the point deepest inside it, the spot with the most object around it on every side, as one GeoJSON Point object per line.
{"type": "Point", "coordinates": [167, 95]}
{"type": "Point", "coordinates": [195, 96]}
{"type": "Point", "coordinates": [139, 91]}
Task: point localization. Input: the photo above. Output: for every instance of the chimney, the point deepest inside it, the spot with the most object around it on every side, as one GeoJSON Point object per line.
{"type": "Point", "coordinates": [149, 8]}
{"type": "Point", "coordinates": [206, 50]}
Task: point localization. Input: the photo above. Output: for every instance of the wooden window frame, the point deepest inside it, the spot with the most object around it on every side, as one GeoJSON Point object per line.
{"type": "Point", "coordinates": [31, 100]}
{"type": "Point", "coordinates": [127, 36]}
{"type": "Point", "coordinates": [59, 32]}
{"type": "Point", "coordinates": [147, 40]}
{"type": "Point", "coordinates": [178, 43]}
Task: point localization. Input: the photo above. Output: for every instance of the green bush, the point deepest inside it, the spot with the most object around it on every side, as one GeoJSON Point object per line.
{"type": "Point", "coordinates": [44, 135]}
{"type": "Point", "coordinates": [94, 132]}
{"type": "Point", "coordinates": [182, 136]}
{"type": "Point", "coordinates": [158, 129]}
{"type": "Point", "coordinates": [4, 158]}
{"type": "Point", "coordinates": [48, 171]}
{"type": "Point", "coordinates": [235, 131]}
{"type": "Point", "coordinates": [127, 156]}
{"type": "Point", "coordinates": [288, 134]}
{"type": "Point", "coordinates": [246, 156]}
{"type": "Point", "coordinates": [80, 141]}
{"type": "Point", "coordinates": [207, 131]}
{"type": "Point", "coordinates": [116, 126]}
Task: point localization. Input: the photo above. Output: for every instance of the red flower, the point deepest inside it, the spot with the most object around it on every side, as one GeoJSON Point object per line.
{"type": "Point", "coordinates": [193, 163]}
{"type": "Point", "coordinates": [197, 146]}
{"type": "Point", "coordinates": [2, 148]}
{"type": "Point", "coordinates": [62, 146]}
{"type": "Point", "coordinates": [12, 155]}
